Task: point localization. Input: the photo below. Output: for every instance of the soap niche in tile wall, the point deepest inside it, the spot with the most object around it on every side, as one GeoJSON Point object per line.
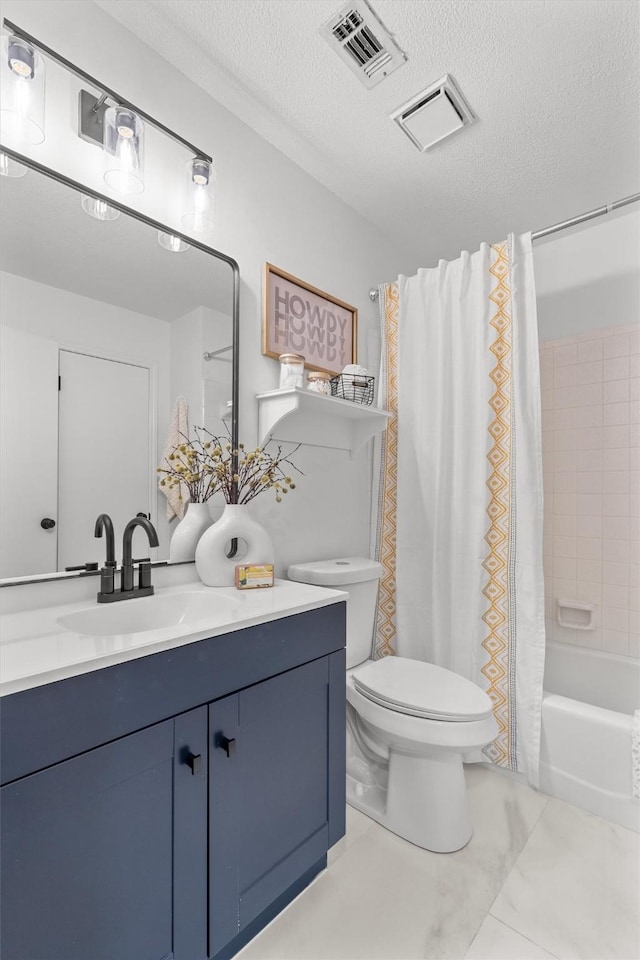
{"type": "Point", "coordinates": [302, 416]}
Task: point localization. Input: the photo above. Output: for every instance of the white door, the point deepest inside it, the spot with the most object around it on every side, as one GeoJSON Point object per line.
{"type": "Point", "coordinates": [104, 454]}
{"type": "Point", "coordinates": [28, 453]}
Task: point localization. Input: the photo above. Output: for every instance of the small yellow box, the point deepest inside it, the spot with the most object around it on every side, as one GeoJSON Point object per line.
{"type": "Point", "coordinates": [252, 575]}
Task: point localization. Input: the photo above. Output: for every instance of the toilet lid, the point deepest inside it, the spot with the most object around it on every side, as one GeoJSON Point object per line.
{"type": "Point", "coordinates": [422, 690]}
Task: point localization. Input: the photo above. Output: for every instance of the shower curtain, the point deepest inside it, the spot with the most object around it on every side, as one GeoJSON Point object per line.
{"type": "Point", "coordinates": [458, 511]}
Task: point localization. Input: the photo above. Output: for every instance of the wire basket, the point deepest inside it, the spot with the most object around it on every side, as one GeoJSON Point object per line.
{"type": "Point", "coordinates": [354, 387]}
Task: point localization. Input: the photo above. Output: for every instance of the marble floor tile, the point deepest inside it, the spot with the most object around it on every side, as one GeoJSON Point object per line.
{"type": "Point", "coordinates": [575, 888]}
{"type": "Point", "coordinates": [356, 825]}
{"type": "Point", "coordinates": [496, 941]}
{"type": "Point", "coordinates": [386, 899]}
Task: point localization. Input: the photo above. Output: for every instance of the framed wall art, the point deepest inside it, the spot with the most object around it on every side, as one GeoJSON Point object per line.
{"type": "Point", "coordinates": [299, 318]}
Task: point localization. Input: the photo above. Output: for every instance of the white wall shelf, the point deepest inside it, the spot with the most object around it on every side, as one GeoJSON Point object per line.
{"type": "Point", "coordinates": [302, 416]}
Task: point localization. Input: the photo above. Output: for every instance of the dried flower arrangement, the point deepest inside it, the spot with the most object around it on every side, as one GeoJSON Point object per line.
{"type": "Point", "coordinates": [207, 464]}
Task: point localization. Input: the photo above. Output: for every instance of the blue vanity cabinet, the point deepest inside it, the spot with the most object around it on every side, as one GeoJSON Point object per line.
{"type": "Point", "coordinates": [88, 850]}
{"type": "Point", "coordinates": [270, 787]}
{"type": "Point", "coordinates": [168, 807]}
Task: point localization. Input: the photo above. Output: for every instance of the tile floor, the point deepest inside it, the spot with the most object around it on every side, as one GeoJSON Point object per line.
{"type": "Point", "coordinates": [539, 879]}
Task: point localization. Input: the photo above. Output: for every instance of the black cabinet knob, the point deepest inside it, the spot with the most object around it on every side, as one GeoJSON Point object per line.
{"type": "Point", "coordinates": [226, 744]}
{"type": "Point", "coordinates": [195, 762]}
{"type": "Point", "coordinates": [47, 523]}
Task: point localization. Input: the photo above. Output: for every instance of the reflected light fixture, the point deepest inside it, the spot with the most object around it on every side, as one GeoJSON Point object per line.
{"type": "Point", "coordinates": [98, 209]}
{"type": "Point", "coordinates": [10, 167]}
{"type": "Point", "coordinates": [124, 150]}
{"type": "Point", "coordinates": [199, 202]}
{"type": "Point", "coordinates": [22, 81]}
{"type": "Point", "coordinates": [172, 243]}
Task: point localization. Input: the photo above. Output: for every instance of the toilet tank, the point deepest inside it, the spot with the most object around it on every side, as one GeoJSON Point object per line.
{"type": "Point", "coordinates": [359, 578]}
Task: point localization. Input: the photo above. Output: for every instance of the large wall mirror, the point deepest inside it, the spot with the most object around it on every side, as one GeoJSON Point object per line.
{"type": "Point", "coordinates": [102, 329]}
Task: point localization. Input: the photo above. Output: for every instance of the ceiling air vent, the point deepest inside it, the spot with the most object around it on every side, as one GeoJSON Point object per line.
{"type": "Point", "coordinates": [360, 39]}
{"type": "Point", "coordinates": [434, 114]}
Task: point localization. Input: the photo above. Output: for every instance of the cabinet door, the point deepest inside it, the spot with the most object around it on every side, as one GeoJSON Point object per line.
{"type": "Point", "coordinates": [87, 854]}
{"type": "Point", "coordinates": [268, 793]}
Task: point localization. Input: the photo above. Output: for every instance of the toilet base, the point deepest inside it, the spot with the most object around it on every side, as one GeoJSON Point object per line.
{"type": "Point", "coordinates": [425, 801]}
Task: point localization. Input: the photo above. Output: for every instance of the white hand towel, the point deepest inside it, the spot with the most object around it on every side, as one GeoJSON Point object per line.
{"type": "Point", "coordinates": [178, 432]}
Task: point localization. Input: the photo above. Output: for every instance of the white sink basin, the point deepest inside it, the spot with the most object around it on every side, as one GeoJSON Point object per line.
{"type": "Point", "coordinates": [150, 613]}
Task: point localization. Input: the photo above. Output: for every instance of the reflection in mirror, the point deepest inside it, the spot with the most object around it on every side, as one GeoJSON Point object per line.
{"type": "Point", "coordinates": [102, 330]}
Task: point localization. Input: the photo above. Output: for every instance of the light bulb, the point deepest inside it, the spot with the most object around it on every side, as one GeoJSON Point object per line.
{"type": "Point", "coordinates": [198, 213]}
{"type": "Point", "coordinates": [22, 81]}
{"type": "Point", "coordinates": [172, 243]}
{"type": "Point", "coordinates": [98, 209]}
{"type": "Point", "coordinates": [11, 168]}
{"type": "Point", "coordinates": [124, 150]}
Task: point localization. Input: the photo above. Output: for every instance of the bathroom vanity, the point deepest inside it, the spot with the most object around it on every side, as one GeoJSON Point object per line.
{"type": "Point", "coordinates": [166, 798]}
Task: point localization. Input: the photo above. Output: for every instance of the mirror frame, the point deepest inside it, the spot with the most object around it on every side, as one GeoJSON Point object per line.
{"type": "Point", "coordinates": [156, 225]}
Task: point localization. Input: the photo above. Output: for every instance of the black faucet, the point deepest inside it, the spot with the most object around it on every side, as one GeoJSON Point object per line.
{"type": "Point", "coordinates": [144, 569]}
{"type": "Point", "coordinates": [104, 523]}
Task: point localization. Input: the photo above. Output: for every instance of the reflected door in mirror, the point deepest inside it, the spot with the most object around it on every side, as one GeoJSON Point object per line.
{"type": "Point", "coordinates": [104, 458]}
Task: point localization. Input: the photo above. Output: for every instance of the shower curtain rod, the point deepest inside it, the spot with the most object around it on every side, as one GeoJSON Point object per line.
{"type": "Point", "coordinates": [598, 212]}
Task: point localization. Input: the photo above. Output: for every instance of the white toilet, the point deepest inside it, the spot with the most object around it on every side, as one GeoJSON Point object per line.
{"type": "Point", "coordinates": [409, 723]}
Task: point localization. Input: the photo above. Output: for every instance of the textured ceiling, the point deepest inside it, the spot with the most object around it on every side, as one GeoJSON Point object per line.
{"type": "Point", "coordinates": [554, 84]}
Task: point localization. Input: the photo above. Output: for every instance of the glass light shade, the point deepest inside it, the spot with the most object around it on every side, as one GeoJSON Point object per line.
{"type": "Point", "coordinates": [10, 167]}
{"type": "Point", "coordinates": [98, 209]}
{"type": "Point", "coordinates": [124, 150]}
{"type": "Point", "coordinates": [22, 82]}
{"type": "Point", "coordinates": [199, 202]}
{"type": "Point", "coordinates": [171, 243]}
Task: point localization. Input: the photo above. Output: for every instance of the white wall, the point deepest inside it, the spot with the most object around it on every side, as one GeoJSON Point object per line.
{"type": "Point", "coordinates": [91, 326]}
{"type": "Point", "coordinates": [588, 278]}
{"type": "Point", "coordinates": [267, 209]}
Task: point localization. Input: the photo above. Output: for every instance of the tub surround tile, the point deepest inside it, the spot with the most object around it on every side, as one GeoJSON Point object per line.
{"type": "Point", "coordinates": [587, 526]}
{"type": "Point", "coordinates": [616, 346]}
{"type": "Point", "coordinates": [575, 888]}
{"type": "Point", "coordinates": [616, 368]}
{"type": "Point", "coordinates": [565, 355]}
{"type": "Point", "coordinates": [616, 574]}
{"type": "Point", "coordinates": [565, 397]}
{"type": "Point", "coordinates": [589, 393]}
{"type": "Point", "coordinates": [589, 460]}
{"type": "Point", "coordinates": [589, 592]}
{"type": "Point", "coordinates": [616, 641]}
{"type": "Point", "coordinates": [565, 376]}
{"type": "Point", "coordinates": [588, 548]}
{"type": "Point", "coordinates": [589, 350]}
{"type": "Point", "coordinates": [496, 941]}
{"type": "Point", "coordinates": [591, 372]}
{"type": "Point", "coordinates": [616, 413]}
{"type": "Point", "coordinates": [616, 391]}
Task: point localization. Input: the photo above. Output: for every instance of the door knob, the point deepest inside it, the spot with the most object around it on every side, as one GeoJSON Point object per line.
{"type": "Point", "coordinates": [194, 760]}
{"type": "Point", "coordinates": [47, 523]}
{"type": "Point", "coordinates": [226, 744]}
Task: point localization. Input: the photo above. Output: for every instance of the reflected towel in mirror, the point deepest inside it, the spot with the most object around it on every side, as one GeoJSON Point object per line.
{"type": "Point", "coordinates": [178, 433]}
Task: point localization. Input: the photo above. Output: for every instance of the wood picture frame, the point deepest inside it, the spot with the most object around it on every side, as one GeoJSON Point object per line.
{"type": "Point", "coordinates": [299, 318]}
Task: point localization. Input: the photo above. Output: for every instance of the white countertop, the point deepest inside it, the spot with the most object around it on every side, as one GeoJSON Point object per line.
{"type": "Point", "coordinates": [36, 649]}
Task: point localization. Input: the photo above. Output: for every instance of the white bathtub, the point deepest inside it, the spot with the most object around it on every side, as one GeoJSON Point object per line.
{"type": "Point", "coordinates": [585, 750]}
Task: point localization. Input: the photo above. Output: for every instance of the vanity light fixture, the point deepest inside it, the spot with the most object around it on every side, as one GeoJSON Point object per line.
{"type": "Point", "coordinates": [124, 150]}
{"type": "Point", "coordinates": [199, 203]}
{"type": "Point", "coordinates": [10, 167]}
{"type": "Point", "coordinates": [98, 209]}
{"type": "Point", "coordinates": [172, 243]}
{"type": "Point", "coordinates": [22, 82]}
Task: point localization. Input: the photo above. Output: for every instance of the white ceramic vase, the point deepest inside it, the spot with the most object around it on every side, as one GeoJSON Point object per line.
{"type": "Point", "coordinates": [213, 566]}
{"type": "Point", "coordinates": [188, 531]}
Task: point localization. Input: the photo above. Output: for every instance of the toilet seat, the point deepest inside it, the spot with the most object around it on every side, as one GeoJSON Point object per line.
{"type": "Point", "coordinates": [421, 689]}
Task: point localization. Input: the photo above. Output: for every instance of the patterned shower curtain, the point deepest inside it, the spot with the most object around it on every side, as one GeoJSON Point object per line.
{"type": "Point", "coordinates": [458, 511]}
